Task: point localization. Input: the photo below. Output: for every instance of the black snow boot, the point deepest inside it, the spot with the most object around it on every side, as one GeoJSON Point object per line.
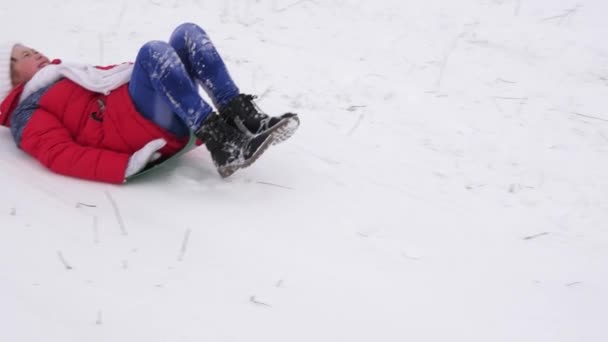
{"type": "Point", "coordinates": [243, 113]}
{"type": "Point", "coordinates": [230, 148]}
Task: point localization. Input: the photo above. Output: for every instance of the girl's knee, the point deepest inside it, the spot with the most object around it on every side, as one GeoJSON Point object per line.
{"type": "Point", "coordinates": [154, 46]}
{"type": "Point", "coordinates": [186, 28]}
{"type": "Point", "coordinates": [157, 53]}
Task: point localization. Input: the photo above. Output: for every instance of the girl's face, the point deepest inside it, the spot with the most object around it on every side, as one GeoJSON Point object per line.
{"type": "Point", "coordinates": [25, 63]}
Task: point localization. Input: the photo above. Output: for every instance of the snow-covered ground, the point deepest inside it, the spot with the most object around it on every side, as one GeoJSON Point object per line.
{"type": "Point", "coordinates": [449, 181]}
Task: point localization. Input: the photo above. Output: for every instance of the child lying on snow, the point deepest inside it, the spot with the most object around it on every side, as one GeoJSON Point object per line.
{"type": "Point", "coordinates": [107, 124]}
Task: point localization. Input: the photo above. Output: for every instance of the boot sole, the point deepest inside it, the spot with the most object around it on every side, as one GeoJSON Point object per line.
{"type": "Point", "coordinates": [287, 127]}
{"type": "Point", "coordinates": [270, 140]}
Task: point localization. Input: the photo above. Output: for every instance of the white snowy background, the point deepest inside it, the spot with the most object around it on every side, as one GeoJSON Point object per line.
{"type": "Point", "coordinates": [449, 181]}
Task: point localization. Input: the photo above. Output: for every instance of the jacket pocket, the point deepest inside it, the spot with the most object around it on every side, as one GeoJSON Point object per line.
{"type": "Point", "coordinates": [91, 132]}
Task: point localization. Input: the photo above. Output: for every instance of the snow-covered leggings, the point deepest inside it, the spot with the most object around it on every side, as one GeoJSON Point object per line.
{"type": "Point", "coordinates": [164, 84]}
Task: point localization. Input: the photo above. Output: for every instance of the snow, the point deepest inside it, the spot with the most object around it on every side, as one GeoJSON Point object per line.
{"type": "Point", "coordinates": [448, 181]}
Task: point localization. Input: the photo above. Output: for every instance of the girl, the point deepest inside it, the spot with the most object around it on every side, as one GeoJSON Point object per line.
{"type": "Point", "coordinates": [109, 123]}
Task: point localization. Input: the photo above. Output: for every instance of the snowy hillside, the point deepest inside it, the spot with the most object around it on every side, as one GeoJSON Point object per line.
{"type": "Point", "coordinates": [449, 181]}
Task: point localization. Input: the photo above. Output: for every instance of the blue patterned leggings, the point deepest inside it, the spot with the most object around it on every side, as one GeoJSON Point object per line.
{"type": "Point", "coordinates": [164, 84]}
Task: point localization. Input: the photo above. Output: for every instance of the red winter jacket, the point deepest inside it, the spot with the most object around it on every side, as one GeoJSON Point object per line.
{"type": "Point", "coordinates": [79, 133]}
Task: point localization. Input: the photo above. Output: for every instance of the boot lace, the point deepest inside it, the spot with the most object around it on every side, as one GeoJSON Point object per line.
{"type": "Point", "coordinates": [250, 107]}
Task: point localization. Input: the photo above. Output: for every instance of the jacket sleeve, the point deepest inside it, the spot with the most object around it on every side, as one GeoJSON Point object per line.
{"type": "Point", "coordinates": [46, 139]}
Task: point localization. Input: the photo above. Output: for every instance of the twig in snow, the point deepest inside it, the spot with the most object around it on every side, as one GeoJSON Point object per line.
{"type": "Point", "coordinates": [293, 5]}
{"type": "Point", "coordinates": [442, 67]}
{"type": "Point", "coordinates": [257, 302]}
{"type": "Point", "coordinates": [117, 213]}
{"type": "Point", "coordinates": [505, 81]}
{"type": "Point", "coordinates": [356, 125]}
{"type": "Point", "coordinates": [249, 24]}
{"type": "Point", "coordinates": [589, 116]}
{"type": "Point", "coordinates": [265, 93]}
{"type": "Point", "coordinates": [81, 204]}
{"type": "Point", "coordinates": [279, 283]}
{"type": "Point", "coordinates": [63, 261]}
{"type": "Point", "coordinates": [182, 252]}
{"type": "Point", "coordinates": [13, 211]}
{"type": "Point", "coordinates": [479, 42]}
{"type": "Point", "coordinates": [355, 107]}
{"type": "Point", "coordinates": [511, 98]}
{"type": "Point", "coordinates": [535, 236]}
{"type": "Point", "coordinates": [277, 185]}
{"type": "Point", "coordinates": [444, 61]}
{"type": "Point", "coordinates": [125, 264]}
{"type": "Point", "coordinates": [99, 320]}
{"type": "Point", "coordinates": [574, 283]}
{"type": "Point", "coordinates": [406, 256]}
{"type": "Point", "coordinates": [321, 158]}
{"type": "Point", "coordinates": [564, 16]}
